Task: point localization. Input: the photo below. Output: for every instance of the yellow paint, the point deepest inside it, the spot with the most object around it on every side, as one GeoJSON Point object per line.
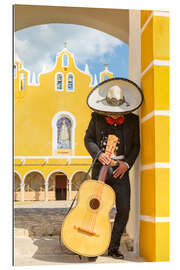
{"type": "Point", "coordinates": [161, 87]}
{"type": "Point", "coordinates": [161, 138]}
{"type": "Point", "coordinates": [155, 85]}
{"type": "Point", "coordinates": [147, 84]}
{"type": "Point", "coordinates": [147, 242]}
{"type": "Point", "coordinates": [154, 241]}
{"type": "Point", "coordinates": [162, 192]}
{"type": "Point", "coordinates": [148, 142]}
{"type": "Point", "coordinates": [147, 45]}
{"type": "Point", "coordinates": [144, 16]}
{"type": "Point", "coordinates": [161, 37]}
{"type": "Point", "coordinates": [154, 236]}
{"type": "Point", "coordinates": [154, 192]}
{"type": "Point", "coordinates": [35, 107]}
{"type": "Point", "coordinates": [105, 73]}
{"type": "Point", "coordinates": [147, 193]}
{"type": "Point", "coordinates": [162, 241]}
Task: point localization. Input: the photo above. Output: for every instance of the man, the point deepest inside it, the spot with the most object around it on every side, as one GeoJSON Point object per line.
{"type": "Point", "coordinates": [113, 102]}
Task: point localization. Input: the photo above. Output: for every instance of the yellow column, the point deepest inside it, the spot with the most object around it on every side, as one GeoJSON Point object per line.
{"type": "Point", "coordinates": [154, 186]}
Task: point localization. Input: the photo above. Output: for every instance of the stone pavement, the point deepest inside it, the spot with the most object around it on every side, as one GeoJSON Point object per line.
{"type": "Point", "coordinates": [36, 236]}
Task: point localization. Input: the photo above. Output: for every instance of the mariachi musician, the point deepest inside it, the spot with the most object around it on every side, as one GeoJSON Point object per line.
{"type": "Point", "coordinates": [113, 102]}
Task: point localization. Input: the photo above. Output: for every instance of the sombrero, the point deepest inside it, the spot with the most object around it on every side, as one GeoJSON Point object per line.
{"type": "Point", "coordinates": [115, 96]}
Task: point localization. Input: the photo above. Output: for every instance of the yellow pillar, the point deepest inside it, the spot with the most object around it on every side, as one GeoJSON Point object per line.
{"type": "Point", "coordinates": [154, 186]}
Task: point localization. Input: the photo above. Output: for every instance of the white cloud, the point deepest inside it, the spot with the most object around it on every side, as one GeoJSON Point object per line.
{"type": "Point", "coordinates": [37, 45]}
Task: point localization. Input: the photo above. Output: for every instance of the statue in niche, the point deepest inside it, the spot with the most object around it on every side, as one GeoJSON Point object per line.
{"type": "Point", "coordinates": [64, 133]}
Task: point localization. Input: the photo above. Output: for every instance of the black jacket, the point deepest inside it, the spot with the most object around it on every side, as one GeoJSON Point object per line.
{"type": "Point", "coordinates": [130, 130]}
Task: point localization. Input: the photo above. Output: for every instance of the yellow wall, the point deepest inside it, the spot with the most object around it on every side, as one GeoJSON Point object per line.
{"type": "Point", "coordinates": [34, 110]}
{"type": "Point", "coordinates": [154, 193]}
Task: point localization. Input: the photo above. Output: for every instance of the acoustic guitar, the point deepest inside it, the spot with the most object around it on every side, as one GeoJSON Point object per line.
{"type": "Point", "coordinates": [86, 230]}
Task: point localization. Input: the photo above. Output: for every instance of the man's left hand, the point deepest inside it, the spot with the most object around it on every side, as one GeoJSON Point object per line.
{"type": "Point", "coordinates": [120, 171]}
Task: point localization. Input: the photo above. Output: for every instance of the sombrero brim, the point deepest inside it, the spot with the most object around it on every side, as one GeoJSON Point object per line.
{"type": "Point", "coordinates": [132, 93]}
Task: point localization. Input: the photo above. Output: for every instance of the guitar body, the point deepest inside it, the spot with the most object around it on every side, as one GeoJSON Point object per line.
{"type": "Point", "coordinates": [86, 230]}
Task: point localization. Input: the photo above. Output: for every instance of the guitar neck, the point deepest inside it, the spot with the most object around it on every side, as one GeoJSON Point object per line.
{"type": "Point", "coordinates": [110, 147]}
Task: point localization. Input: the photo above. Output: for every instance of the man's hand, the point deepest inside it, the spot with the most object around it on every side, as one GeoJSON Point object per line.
{"type": "Point", "coordinates": [104, 159]}
{"type": "Point", "coordinates": [120, 171]}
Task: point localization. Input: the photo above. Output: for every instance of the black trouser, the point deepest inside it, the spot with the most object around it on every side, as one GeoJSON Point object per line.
{"type": "Point", "coordinates": [122, 191]}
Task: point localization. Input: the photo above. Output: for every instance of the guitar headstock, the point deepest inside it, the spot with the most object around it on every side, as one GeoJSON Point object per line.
{"type": "Point", "coordinates": [111, 144]}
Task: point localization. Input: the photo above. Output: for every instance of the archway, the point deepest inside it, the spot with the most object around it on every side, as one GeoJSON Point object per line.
{"type": "Point", "coordinates": [57, 186]}
{"type": "Point", "coordinates": [34, 187]}
{"type": "Point", "coordinates": [76, 182]}
{"type": "Point", "coordinates": [17, 187]}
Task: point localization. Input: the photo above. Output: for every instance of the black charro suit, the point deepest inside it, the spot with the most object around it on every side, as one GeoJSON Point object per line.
{"type": "Point", "coordinates": [129, 146]}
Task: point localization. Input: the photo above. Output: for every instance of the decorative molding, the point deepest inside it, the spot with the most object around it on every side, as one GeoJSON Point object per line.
{"type": "Point", "coordinates": [155, 113]}
{"type": "Point", "coordinates": [154, 219]}
{"type": "Point", "coordinates": [164, 165]}
{"type": "Point", "coordinates": [155, 62]}
{"type": "Point", "coordinates": [54, 157]}
{"type": "Point", "coordinates": [154, 13]}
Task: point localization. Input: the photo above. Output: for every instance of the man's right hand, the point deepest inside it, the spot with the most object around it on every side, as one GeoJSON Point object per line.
{"type": "Point", "coordinates": [104, 159]}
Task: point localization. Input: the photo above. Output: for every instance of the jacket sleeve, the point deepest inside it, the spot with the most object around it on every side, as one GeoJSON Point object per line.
{"type": "Point", "coordinates": [130, 159]}
{"type": "Point", "coordinates": [90, 138]}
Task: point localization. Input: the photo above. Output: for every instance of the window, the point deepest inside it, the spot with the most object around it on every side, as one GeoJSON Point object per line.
{"type": "Point", "coordinates": [106, 77]}
{"type": "Point", "coordinates": [70, 82]}
{"type": "Point", "coordinates": [65, 60]}
{"type": "Point", "coordinates": [22, 81]}
{"type": "Point", "coordinates": [64, 127]}
{"type": "Point", "coordinates": [59, 82]}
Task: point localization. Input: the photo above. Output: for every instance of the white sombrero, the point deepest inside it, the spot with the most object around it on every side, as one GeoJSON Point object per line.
{"type": "Point", "coordinates": [115, 96]}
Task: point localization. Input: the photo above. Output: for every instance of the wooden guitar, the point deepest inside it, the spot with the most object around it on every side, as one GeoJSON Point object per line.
{"type": "Point", "coordinates": [86, 230]}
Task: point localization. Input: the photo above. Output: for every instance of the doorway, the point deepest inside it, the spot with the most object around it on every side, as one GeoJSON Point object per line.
{"type": "Point", "coordinates": [61, 187]}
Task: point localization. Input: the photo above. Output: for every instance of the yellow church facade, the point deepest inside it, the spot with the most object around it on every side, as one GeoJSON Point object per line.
{"type": "Point", "coordinates": [50, 120]}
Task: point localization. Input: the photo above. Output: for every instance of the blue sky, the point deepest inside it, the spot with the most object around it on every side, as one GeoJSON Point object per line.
{"type": "Point", "coordinates": [37, 46]}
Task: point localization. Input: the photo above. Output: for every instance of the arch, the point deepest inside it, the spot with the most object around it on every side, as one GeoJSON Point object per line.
{"type": "Point", "coordinates": [55, 139]}
{"type": "Point", "coordinates": [106, 77]}
{"type": "Point", "coordinates": [77, 178]}
{"type": "Point", "coordinates": [70, 82]}
{"type": "Point", "coordinates": [19, 175]}
{"type": "Point", "coordinates": [59, 81]}
{"type": "Point", "coordinates": [65, 60]}
{"type": "Point", "coordinates": [57, 186]}
{"type": "Point", "coordinates": [98, 18]}
{"type": "Point", "coordinates": [17, 186]}
{"type": "Point", "coordinates": [34, 186]}
{"type": "Point", "coordinates": [34, 171]}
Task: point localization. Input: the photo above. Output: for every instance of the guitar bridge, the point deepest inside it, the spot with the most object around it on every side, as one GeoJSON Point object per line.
{"type": "Point", "coordinates": [88, 232]}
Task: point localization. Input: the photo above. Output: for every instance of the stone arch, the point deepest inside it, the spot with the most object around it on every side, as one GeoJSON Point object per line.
{"type": "Point", "coordinates": [58, 186]}
{"type": "Point", "coordinates": [114, 22]}
{"type": "Point", "coordinates": [34, 186]}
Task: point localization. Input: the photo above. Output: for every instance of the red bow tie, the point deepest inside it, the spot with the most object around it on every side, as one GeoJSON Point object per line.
{"type": "Point", "coordinates": [118, 121]}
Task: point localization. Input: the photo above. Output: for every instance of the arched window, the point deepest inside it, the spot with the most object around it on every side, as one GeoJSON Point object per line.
{"type": "Point", "coordinates": [63, 137]}
{"type": "Point", "coordinates": [64, 131]}
{"type": "Point", "coordinates": [70, 82]}
{"type": "Point", "coordinates": [65, 60]}
{"type": "Point", "coordinates": [106, 77]}
{"type": "Point", "coordinates": [22, 81]}
{"type": "Point", "coordinates": [59, 85]}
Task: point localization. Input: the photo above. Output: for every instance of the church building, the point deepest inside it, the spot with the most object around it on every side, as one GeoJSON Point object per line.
{"type": "Point", "coordinates": [50, 121]}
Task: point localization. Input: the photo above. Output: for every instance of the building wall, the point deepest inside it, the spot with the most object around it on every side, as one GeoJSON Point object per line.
{"type": "Point", "coordinates": [154, 185]}
{"type": "Point", "coordinates": [37, 108]}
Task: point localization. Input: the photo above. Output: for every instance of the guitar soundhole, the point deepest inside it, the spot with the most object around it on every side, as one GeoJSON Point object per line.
{"type": "Point", "coordinates": [94, 203]}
